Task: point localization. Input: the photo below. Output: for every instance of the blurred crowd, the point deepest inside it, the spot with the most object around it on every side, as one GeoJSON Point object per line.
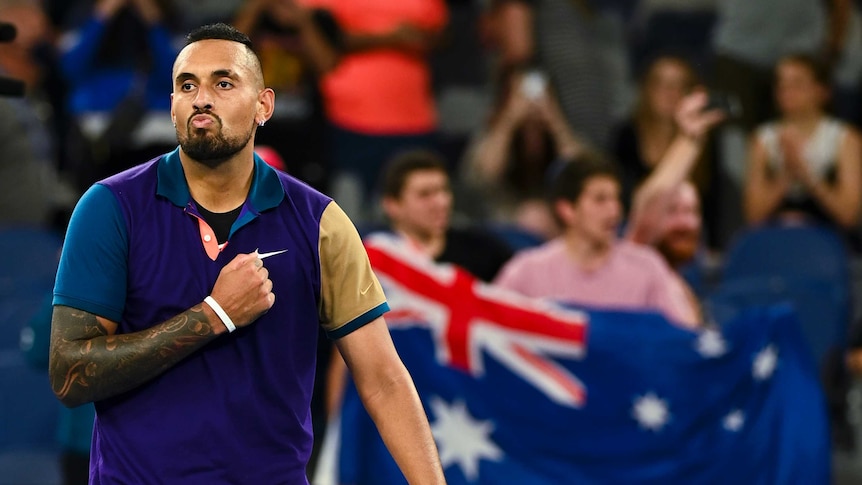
{"type": "Point", "coordinates": [638, 137]}
{"type": "Point", "coordinates": [505, 91]}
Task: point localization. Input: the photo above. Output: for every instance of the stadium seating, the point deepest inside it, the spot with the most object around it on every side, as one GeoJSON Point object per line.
{"type": "Point", "coordinates": [28, 409]}
{"type": "Point", "coordinates": [807, 266]}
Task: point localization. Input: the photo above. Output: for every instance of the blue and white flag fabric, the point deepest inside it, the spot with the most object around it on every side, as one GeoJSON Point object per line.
{"type": "Point", "coordinates": [522, 391]}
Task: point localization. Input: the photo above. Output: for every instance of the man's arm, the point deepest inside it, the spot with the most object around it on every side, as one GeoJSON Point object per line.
{"type": "Point", "coordinates": [389, 396]}
{"type": "Point", "coordinates": [405, 37]}
{"type": "Point", "coordinates": [653, 196]}
{"type": "Point", "coordinates": [321, 49]}
{"type": "Point", "coordinates": [351, 309]}
{"type": "Point", "coordinates": [248, 15]}
{"type": "Point", "coordinates": [89, 362]}
{"type": "Point", "coordinates": [78, 57]}
{"type": "Point", "coordinates": [416, 34]}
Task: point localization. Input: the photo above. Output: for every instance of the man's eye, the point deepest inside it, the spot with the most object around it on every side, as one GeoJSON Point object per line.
{"type": "Point", "coordinates": [224, 84]}
{"type": "Point", "coordinates": [187, 86]}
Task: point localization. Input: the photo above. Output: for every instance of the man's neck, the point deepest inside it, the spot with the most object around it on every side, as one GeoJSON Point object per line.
{"type": "Point", "coordinates": [430, 244]}
{"type": "Point", "coordinates": [588, 255]}
{"type": "Point", "coordinates": [222, 188]}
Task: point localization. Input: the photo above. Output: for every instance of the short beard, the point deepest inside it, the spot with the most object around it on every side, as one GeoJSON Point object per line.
{"type": "Point", "coordinates": [679, 248]}
{"type": "Point", "coordinates": [211, 150]}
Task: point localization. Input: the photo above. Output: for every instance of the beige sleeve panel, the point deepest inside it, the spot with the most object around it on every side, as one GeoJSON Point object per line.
{"type": "Point", "coordinates": [350, 295]}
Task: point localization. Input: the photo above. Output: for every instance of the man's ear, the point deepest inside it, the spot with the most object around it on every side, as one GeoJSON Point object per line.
{"type": "Point", "coordinates": [391, 207]}
{"type": "Point", "coordinates": [565, 211]}
{"type": "Point", "coordinates": [265, 106]}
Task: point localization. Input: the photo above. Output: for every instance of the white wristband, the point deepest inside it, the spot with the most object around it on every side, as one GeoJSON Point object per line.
{"type": "Point", "coordinates": [221, 313]}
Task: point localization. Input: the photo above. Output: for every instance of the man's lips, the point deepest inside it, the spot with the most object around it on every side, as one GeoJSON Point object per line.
{"type": "Point", "coordinates": [202, 121]}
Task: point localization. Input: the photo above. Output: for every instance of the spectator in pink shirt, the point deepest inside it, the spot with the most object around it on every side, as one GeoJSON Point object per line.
{"type": "Point", "coordinates": [588, 265]}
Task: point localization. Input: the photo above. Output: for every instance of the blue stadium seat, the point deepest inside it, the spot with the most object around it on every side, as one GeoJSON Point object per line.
{"type": "Point", "coordinates": [812, 251]}
{"type": "Point", "coordinates": [28, 265]}
{"type": "Point", "coordinates": [821, 306]}
{"type": "Point", "coordinates": [516, 237]}
{"type": "Point", "coordinates": [28, 409]}
{"type": "Point", "coordinates": [807, 266]}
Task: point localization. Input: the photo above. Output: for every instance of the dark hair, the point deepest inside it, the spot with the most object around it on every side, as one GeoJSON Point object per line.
{"type": "Point", "coordinates": [642, 108]}
{"type": "Point", "coordinates": [573, 176]}
{"type": "Point", "coordinates": [646, 66]}
{"type": "Point", "coordinates": [219, 31]}
{"type": "Point", "coordinates": [815, 66]}
{"type": "Point", "coordinates": [404, 164]}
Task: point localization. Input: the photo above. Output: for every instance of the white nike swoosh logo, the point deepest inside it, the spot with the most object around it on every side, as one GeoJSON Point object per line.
{"type": "Point", "coordinates": [363, 292]}
{"type": "Point", "coordinates": [266, 255]}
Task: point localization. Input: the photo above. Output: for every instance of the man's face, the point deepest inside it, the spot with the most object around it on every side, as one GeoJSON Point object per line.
{"type": "Point", "coordinates": [681, 226]}
{"type": "Point", "coordinates": [597, 212]}
{"type": "Point", "coordinates": [425, 204]}
{"type": "Point", "coordinates": [216, 100]}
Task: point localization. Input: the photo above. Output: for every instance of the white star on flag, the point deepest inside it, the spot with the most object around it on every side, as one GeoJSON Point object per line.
{"type": "Point", "coordinates": [710, 344]}
{"type": "Point", "coordinates": [651, 412]}
{"type": "Point", "coordinates": [461, 439]}
{"type": "Point", "coordinates": [734, 421]}
{"type": "Point", "coordinates": [765, 363]}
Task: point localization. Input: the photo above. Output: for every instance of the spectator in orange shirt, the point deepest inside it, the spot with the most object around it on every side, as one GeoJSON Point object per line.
{"type": "Point", "coordinates": [296, 45]}
{"type": "Point", "coordinates": [378, 98]}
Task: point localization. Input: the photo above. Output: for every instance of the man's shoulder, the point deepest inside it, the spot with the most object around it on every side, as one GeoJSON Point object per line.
{"type": "Point", "coordinates": [639, 254]}
{"type": "Point", "coordinates": [645, 259]}
{"type": "Point", "coordinates": [547, 253]}
{"type": "Point", "coordinates": [300, 198]}
{"type": "Point", "coordinates": [294, 186]}
{"type": "Point", "coordinates": [142, 173]}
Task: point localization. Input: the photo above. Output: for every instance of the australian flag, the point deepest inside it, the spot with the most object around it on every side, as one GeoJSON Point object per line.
{"type": "Point", "coordinates": [528, 392]}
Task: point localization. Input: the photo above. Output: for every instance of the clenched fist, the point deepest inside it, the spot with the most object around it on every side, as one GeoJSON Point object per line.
{"type": "Point", "coordinates": [243, 289]}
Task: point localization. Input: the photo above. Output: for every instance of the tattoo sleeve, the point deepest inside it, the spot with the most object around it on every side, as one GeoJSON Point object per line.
{"type": "Point", "coordinates": [88, 364]}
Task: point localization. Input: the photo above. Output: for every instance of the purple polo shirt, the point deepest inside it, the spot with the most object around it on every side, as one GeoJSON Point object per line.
{"type": "Point", "coordinates": [236, 411]}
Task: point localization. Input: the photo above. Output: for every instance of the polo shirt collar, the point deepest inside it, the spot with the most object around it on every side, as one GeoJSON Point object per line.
{"type": "Point", "coordinates": [266, 190]}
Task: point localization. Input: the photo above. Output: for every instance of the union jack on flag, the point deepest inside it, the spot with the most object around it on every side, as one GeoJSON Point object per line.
{"type": "Point", "coordinates": [467, 318]}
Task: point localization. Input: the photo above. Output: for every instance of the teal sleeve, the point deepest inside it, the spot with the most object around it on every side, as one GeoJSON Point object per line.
{"type": "Point", "coordinates": [359, 321]}
{"type": "Point", "coordinates": [93, 265]}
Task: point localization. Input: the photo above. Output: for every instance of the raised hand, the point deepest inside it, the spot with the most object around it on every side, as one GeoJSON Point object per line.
{"type": "Point", "coordinates": [691, 117]}
{"type": "Point", "coordinates": [517, 105]}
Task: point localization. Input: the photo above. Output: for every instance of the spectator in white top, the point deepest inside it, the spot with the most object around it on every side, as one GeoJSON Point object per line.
{"type": "Point", "coordinates": [805, 165]}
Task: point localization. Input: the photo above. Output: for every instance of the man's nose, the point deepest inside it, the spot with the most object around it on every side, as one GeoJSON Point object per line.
{"type": "Point", "coordinates": [203, 100]}
{"type": "Point", "coordinates": [686, 220]}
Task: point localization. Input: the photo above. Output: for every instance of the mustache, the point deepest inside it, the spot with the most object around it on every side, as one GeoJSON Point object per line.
{"type": "Point", "coordinates": [683, 232]}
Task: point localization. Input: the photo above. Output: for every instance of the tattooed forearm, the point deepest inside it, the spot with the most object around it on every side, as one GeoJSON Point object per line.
{"type": "Point", "coordinates": [87, 364]}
